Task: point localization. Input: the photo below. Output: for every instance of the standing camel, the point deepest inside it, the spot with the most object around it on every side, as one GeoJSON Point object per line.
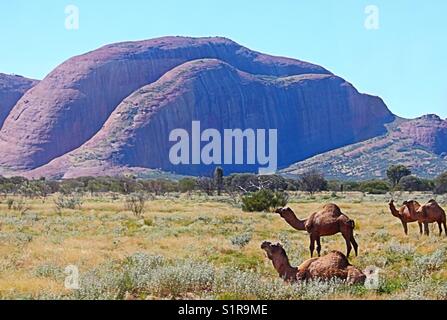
{"type": "Point", "coordinates": [333, 265]}
{"type": "Point", "coordinates": [405, 215]}
{"type": "Point", "coordinates": [430, 212]}
{"type": "Point", "coordinates": [326, 222]}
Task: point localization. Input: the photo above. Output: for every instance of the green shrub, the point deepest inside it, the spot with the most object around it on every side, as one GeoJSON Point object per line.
{"type": "Point", "coordinates": [68, 202]}
{"type": "Point", "coordinates": [264, 200]}
{"type": "Point", "coordinates": [441, 184]}
{"type": "Point", "coordinates": [375, 187]}
{"type": "Point", "coordinates": [413, 183]}
{"type": "Point", "coordinates": [241, 240]}
{"type": "Point", "coordinates": [136, 203]}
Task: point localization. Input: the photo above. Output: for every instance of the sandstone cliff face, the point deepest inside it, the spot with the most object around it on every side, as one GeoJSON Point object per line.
{"type": "Point", "coordinates": [429, 131]}
{"type": "Point", "coordinates": [313, 113]}
{"type": "Point", "coordinates": [73, 102]}
{"type": "Point", "coordinates": [419, 144]}
{"type": "Point", "coordinates": [12, 88]}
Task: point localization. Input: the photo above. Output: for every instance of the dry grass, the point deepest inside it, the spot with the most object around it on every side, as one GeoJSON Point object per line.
{"type": "Point", "coordinates": [35, 248]}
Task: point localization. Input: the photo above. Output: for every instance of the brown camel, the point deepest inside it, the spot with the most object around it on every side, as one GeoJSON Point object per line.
{"type": "Point", "coordinates": [333, 265]}
{"type": "Point", "coordinates": [405, 215]}
{"type": "Point", "coordinates": [326, 222]}
{"type": "Point", "coordinates": [430, 212]}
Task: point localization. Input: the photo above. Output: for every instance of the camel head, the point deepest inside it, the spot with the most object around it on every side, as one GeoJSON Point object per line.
{"type": "Point", "coordinates": [391, 203]}
{"type": "Point", "coordinates": [274, 251]}
{"type": "Point", "coordinates": [285, 212]}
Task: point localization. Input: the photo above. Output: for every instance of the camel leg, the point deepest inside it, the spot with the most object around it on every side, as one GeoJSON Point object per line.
{"type": "Point", "coordinates": [445, 228]}
{"type": "Point", "coordinates": [404, 224]}
{"type": "Point", "coordinates": [355, 245]}
{"type": "Point", "coordinates": [420, 228]}
{"type": "Point", "coordinates": [312, 246]}
{"type": "Point", "coordinates": [427, 229]}
{"type": "Point", "coordinates": [440, 228]}
{"type": "Point", "coordinates": [348, 245]}
{"type": "Point", "coordinates": [319, 246]}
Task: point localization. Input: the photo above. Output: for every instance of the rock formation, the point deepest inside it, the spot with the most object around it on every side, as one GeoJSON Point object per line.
{"type": "Point", "coordinates": [12, 88]}
{"type": "Point", "coordinates": [313, 113]}
{"type": "Point", "coordinates": [74, 101]}
{"type": "Point", "coordinates": [420, 144]}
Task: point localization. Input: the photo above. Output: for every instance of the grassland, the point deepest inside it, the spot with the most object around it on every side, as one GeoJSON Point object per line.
{"type": "Point", "coordinates": [197, 247]}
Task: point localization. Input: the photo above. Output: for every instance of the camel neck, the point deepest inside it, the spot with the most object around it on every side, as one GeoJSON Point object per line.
{"type": "Point", "coordinates": [394, 211]}
{"type": "Point", "coordinates": [284, 269]}
{"type": "Point", "coordinates": [296, 223]}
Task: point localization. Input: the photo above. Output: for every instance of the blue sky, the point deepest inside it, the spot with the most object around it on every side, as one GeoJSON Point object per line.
{"type": "Point", "coordinates": [404, 61]}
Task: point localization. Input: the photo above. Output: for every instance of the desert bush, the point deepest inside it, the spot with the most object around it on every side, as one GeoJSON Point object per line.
{"type": "Point", "coordinates": [71, 202]}
{"type": "Point", "coordinates": [49, 271]}
{"type": "Point", "coordinates": [413, 183]}
{"type": "Point", "coordinates": [441, 184]}
{"type": "Point", "coordinates": [264, 200]}
{"type": "Point", "coordinates": [241, 240]}
{"type": "Point", "coordinates": [430, 263]}
{"type": "Point", "coordinates": [19, 205]}
{"type": "Point", "coordinates": [136, 203]}
{"type": "Point", "coordinates": [143, 275]}
{"type": "Point", "coordinates": [10, 203]}
{"type": "Point", "coordinates": [187, 185]}
{"type": "Point", "coordinates": [424, 289]}
{"type": "Point", "coordinates": [312, 182]}
{"type": "Point", "coordinates": [397, 252]}
{"type": "Point", "coordinates": [374, 187]}
{"type": "Point", "coordinates": [382, 235]}
{"type": "Point", "coordinates": [396, 172]}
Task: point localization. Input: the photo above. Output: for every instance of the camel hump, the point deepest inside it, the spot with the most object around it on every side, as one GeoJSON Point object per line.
{"type": "Point", "coordinates": [433, 201]}
{"type": "Point", "coordinates": [332, 207]}
{"type": "Point", "coordinates": [335, 259]}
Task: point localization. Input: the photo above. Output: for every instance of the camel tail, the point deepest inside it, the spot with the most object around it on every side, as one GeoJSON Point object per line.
{"type": "Point", "coordinates": [352, 224]}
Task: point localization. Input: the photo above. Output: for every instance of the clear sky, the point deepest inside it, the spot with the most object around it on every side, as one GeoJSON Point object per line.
{"type": "Point", "coordinates": [404, 61]}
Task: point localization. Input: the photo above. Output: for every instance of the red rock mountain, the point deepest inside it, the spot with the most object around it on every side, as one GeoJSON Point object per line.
{"type": "Point", "coordinates": [313, 113]}
{"type": "Point", "coordinates": [112, 109]}
{"type": "Point", "coordinates": [73, 102]}
{"type": "Point", "coordinates": [12, 88]}
{"type": "Point", "coordinates": [420, 144]}
{"type": "Point", "coordinates": [429, 131]}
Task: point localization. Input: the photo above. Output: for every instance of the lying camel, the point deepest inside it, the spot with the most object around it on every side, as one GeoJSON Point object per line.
{"type": "Point", "coordinates": [327, 222]}
{"type": "Point", "coordinates": [333, 265]}
{"type": "Point", "coordinates": [405, 215]}
{"type": "Point", "coordinates": [430, 212]}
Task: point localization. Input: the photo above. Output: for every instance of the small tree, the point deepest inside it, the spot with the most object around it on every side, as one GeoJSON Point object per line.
{"type": "Point", "coordinates": [206, 185]}
{"type": "Point", "coordinates": [187, 185]}
{"type": "Point", "coordinates": [264, 200]}
{"type": "Point", "coordinates": [136, 203]}
{"type": "Point", "coordinates": [413, 183]}
{"type": "Point", "coordinates": [397, 172]}
{"type": "Point", "coordinates": [71, 202]}
{"type": "Point", "coordinates": [218, 180]}
{"type": "Point", "coordinates": [441, 184]}
{"type": "Point", "coordinates": [313, 181]}
{"type": "Point", "coordinates": [374, 187]}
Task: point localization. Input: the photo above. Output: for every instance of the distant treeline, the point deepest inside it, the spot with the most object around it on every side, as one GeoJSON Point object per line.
{"type": "Point", "coordinates": [399, 179]}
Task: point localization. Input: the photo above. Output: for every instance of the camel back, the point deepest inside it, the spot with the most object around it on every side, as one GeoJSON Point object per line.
{"type": "Point", "coordinates": [331, 207]}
